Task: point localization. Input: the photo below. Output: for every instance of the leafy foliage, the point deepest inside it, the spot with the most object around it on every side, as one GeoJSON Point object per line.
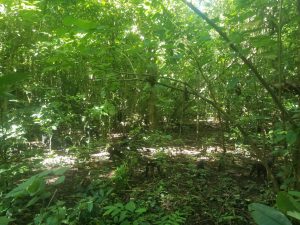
{"type": "Point", "coordinates": [77, 76]}
{"type": "Point", "coordinates": [263, 214]}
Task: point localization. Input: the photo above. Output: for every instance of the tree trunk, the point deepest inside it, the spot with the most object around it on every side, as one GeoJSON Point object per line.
{"type": "Point", "coordinates": [296, 152]}
{"type": "Point", "coordinates": [298, 67]}
{"type": "Point", "coordinates": [152, 109]}
{"type": "Point", "coordinates": [152, 80]}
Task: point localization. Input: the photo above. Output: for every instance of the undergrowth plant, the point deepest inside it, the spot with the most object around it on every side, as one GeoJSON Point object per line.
{"type": "Point", "coordinates": [121, 176]}
{"type": "Point", "coordinates": [33, 192]}
{"type": "Point", "coordinates": [125, 214]}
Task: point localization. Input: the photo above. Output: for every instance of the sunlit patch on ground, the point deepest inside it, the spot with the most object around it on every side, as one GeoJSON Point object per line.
{"type": "Point", "coordinates": [115, 135]}
{"type": "Point", "coordinates": [54, 160]}
{"type": "Point", "coordinates": [52, 180]}
{"type": "Point", "coordinates": [241, 150]}
{"type": "Point", "coordinates": [149, 151]}
{"type": "Point", "coordinates": [100, 156]}
{"type": "Point", "coordinates": [185, 151]}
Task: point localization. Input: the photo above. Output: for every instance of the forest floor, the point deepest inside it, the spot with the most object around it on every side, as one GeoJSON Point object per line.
{"type": "Point", "coordinates": [209, 195]}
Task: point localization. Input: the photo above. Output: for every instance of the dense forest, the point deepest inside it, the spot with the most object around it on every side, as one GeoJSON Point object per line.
{"type": "Point", "coordinates": [149, 112]}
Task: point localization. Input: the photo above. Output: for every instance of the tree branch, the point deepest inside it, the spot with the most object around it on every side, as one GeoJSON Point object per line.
{"type": "Point", "coordinates": [248, 63]}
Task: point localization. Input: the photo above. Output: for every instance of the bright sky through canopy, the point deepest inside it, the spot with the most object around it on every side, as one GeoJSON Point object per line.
{"type": "Point", "coordinates": [200, 4]}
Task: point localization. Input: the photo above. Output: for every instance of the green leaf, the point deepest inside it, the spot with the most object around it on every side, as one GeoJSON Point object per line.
{"type": "Point", "coordinates": [33, 201]}
{"type": "Point", "coordinates": [232, 83]}
{"type": "Point", "coordinates": [90, 206]}
{"type": "Point", "coordinates": [141, 210]}
{"type": "Point", "coordinates": [119, 205]}
{"type": "Point", "coordinates": [60, 171]}
{"type": "Point", "coordinates": [278, 137]}
{"type": "Point", "coordinates": [116, 212]}
{"type": "Point", "coordinates": [12, 78]}
{"type": "Point", "coordinates": [4, 220]}
{"type": "Point", "coordinates": [130, 206]}
{"type": "Point", "coordinates": [109, 210]}
{"type": "Point", "coordinates": [291, 137]}
{"type": "Point", "coordinates": [20, 190]}
{"type": "Point", "coordinates": [33, 184]}
{"type": "Point", "coordinates": [262, 41]}
{"type": "Point", "coordinates": [79, 23]}
{"type": "Point", "coordinates": [59, 180]}
{"type": "Point", "coordinates": [45, 195]}
{"type": "Point", "coordinates": [285, 202]}
{"type": "Point", "coordinates": [37, 185]}
{"type": "Point", "coordinates": [53, 220]}
{"type": "Point", "coordinates": [44, 173]}
{"type": "Point", "coordinates": [294, 193]}
{"type": "Point", "coordinates": [15, 193]}
{"type": "Point", "coordinates": [123, 216]}
{"type": "Point", "coordinates": [294, 214]}
{"type": "Point", "coordinates": [270, 55]}
{"type": "Point", "coordinates": [265, 215]}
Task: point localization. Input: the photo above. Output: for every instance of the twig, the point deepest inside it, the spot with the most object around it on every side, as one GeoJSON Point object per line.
{"type": "Point", "coordinates": [52, 197]}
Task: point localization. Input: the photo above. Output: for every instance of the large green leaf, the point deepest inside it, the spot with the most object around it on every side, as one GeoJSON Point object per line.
{"type": "Point", "coordinates": [36, 186]}
{"type": "Point", "coordinates": [33, 201]}
{"type": "Point", "coordinates": [285, 202]}
{"type": "Point", "coordinates": [291, 137]}
{"type": "Point", "coordinates": [294, 214]}
{"type": "Point", "coordinates": [265, 215]}
{"type": "Point", "coordinates": [60, 171]}
{"type": "Point", "coordinates": [12, 78]}
{"type": "Point", "coordinates": [20, 190]}
{"type": "Point", "coordinates": [4, 220]}
{"type": "Point", "coordinates": [294, 193]}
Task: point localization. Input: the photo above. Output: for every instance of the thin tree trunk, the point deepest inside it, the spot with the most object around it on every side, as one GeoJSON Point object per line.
{"type": "Point", "coordinates": [247, 61]}
{"type": "Point", "coordinates": [296, 153]}
{"type": "Point", "coordinates": [152, 108]}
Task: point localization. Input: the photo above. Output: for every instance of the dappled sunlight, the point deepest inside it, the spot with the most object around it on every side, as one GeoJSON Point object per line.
{"type": "Point", "coordinates": [239, 150]}
{"type": "Point", "coordinates": [185, 150]}
{"type": "Point", "coordinates": [53, 160]}
{"type": "Point", "coordinates": [2, 8]}
{"type": "Point", "coordinates": [148, 112]}
{"type": "Point", "coordinates": [182, 151]}
{"type": "Point", "coordinates": [103, 156]}
{"type": "Point", "coordinates": [115, 135]}
{"type": "Point", "coordinates": [52, 180]}
{"type": "Point", "coordinates": [203, 5]}
{"type": "Point", "coordinates": [197, 152]}
{"type": "Point", "coordinates": [190, 150]}
{"type": "Point", "coordinates": [111, 174]}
